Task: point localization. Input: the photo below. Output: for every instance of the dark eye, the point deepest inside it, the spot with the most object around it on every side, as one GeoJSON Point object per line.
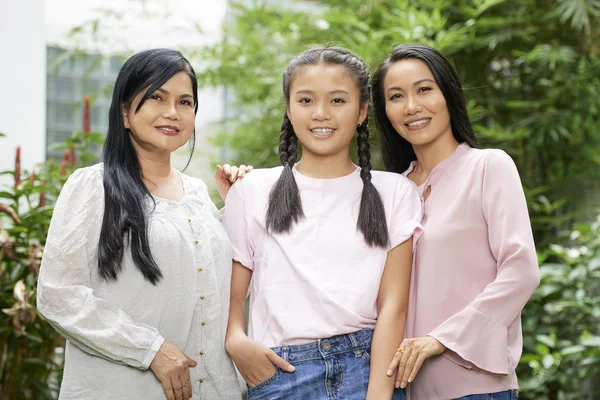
{"type": "Point", "coordinates": [305, 100]}
{"type": "Point", "coordinates": [187, 102]}
{"type": "Point", "coordinates": [424, 89]}
{"type": "Point", "coordinates": [338, 101]}
{"type": "Point", "coordinates": [395, 96]}
{"type": "Point", "coordinates": [155, 97]}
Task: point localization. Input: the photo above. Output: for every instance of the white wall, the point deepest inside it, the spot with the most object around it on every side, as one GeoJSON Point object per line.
{"type": "Point", "coordinates": [22, 83]}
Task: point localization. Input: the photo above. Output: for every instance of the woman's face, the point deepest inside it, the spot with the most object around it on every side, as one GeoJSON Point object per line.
{"type": "Point", "coordinates": [165, 122]}
{"type": "Point", "coordinates": [415, 105]}
{"type": "Point", "coordinates": [325, 108]}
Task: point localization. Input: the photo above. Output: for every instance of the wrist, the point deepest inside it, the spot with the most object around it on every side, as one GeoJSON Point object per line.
{"type": "Point", "coordinates": [440, 347]}
{"type": "Point", "coordinates": [233, 338]}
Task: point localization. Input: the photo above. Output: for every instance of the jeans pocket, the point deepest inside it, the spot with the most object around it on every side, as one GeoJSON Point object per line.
{"type": "Point", "coordinates": [265, 383]}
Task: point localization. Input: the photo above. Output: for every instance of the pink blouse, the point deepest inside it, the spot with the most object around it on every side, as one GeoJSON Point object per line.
{"type": "Point", "coordinates": [474, 270]}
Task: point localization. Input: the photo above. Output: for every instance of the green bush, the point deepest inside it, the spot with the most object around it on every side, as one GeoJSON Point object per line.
{"type": "Point", "coordinates": [30, 350]}
{"type": "Point", "coordinates": [561, 323]}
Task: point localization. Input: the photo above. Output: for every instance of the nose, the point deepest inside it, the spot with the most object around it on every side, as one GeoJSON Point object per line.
{"type": "Point", "coordinates": [171, 112]}
{"type": "Point", "coordinates": [412, 106]}
{"type": "Point", "coordinates": [320, 113]}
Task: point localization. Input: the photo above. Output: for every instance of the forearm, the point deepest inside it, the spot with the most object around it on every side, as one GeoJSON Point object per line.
{"type": "Point", "coordinates": [95, 325]}
{"type": "Point", "coordinates": [240, 280]}
{"type": "Point", "coordinates": [237, 318]}
{"type": "Point", "coordinates": [389, 332]}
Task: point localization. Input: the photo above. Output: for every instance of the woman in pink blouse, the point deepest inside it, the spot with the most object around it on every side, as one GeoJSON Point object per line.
{"type": "Point", "coordinates": [475, 265]}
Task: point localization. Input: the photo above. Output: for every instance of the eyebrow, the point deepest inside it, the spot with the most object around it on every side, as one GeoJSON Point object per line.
{"type": "Point", "coordinates": [414, 84]}
{"type": "Point", "coordinates": [185, 95]}
{"type": "Point", "coordinates": [306, 91]}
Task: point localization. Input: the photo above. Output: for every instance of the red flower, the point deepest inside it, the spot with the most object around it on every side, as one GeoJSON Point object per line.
{"type": "Point", "coordinates": [42, 195]}
{"type": "Point", "coordinates": [72, 155]}
{"type": "Point", "coordinates": [65, 162]}
{"type": "Point", "coordinates": [18, 166]}
{"type": "Point", "coordinates": [86, 114]}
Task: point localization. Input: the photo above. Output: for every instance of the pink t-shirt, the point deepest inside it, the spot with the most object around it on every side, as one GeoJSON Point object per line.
{"type": "Point", "coordinates": [474, 269]}
{"type": "Point", "coordinates": [321, 279]}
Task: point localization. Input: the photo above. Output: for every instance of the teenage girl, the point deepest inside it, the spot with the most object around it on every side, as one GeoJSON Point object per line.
{"type": "Point", "coordinates": [327, 243]}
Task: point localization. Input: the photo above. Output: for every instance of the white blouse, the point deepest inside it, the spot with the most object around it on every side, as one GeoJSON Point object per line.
{"type": "Point", "coordinates": [115, 328]}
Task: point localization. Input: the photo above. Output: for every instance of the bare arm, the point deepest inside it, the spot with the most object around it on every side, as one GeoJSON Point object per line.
{"type": "Point", "coordinates": [392, 307]}
{"type": "Point", "coordinates": [240, 281]}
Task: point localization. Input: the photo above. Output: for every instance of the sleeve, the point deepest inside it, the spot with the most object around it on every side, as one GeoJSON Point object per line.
{"type": "Point", "coordinates": [405, 217]}
{"type": "Point", "coordinates": [235, 221]}
{"type": "Point", "coordinates": [202, 190]}
{"type": "Point", "coordinates": [64, 293]}
{"type": "Point", "coordinates": [478, 335]}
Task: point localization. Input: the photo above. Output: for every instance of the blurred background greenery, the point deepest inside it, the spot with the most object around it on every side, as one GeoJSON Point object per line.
{"type": "Point", "coordinates": [531, 71]}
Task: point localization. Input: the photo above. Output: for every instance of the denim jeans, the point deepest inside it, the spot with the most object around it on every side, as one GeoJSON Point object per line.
{"type": "Point", "coordinates": [333, 368]}
{"type": "Point", "coordinates": [507, 395]}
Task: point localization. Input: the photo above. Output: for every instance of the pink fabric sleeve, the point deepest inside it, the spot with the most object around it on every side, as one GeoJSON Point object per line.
{"type": "Point", "coordinates": [405, 214]}
{"type": "Point", "coordinates": [235, 221]}
{"type": "Point", "coordinates": [478, 335]}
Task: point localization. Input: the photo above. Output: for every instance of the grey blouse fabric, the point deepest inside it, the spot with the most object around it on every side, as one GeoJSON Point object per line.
{"type": "Point", "coordinates": [114, 329]}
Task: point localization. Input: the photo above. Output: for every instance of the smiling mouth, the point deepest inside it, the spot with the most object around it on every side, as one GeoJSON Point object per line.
{"type": "Point", "coordinates": [322, 132]}
{"type": "Point", "coordinates": [415, 125]}
{"type": "Point", "coordinates": [169, 131]}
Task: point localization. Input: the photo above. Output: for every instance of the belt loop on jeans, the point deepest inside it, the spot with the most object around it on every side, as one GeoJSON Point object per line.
{"type": "Point", "coordinates": [355, 345]}
{"type": "Point", "coordinates": [285, 351]}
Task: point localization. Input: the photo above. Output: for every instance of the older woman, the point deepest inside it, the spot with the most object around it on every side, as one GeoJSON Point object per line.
{"type": "Point", "coordinates": [137, 266]}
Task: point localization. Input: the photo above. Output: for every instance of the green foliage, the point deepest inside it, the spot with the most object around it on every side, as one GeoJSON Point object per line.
{"type": "Point", "coordinates": [561, 322]}
{"type": "Point", "coordinates": [30, 367]}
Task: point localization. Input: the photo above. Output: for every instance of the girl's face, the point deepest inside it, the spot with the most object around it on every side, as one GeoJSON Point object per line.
{"type": "Point", "coordinates": [165, 122]}
{"type": "Point", "coordinates": [325, 108]}
{"type": "Point", "coordinates": [415, 105]}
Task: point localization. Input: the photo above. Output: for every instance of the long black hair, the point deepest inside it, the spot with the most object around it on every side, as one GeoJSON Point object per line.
{"type": "Point", "coordinates": [125, 220]}
{"type": "Point", "coordinates": [397, 152]}
{"type": "Point", "coordinates": [285, 206]}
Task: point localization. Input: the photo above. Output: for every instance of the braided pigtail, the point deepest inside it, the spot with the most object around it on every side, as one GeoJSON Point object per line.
{"type": "Point", "coordinates": [371, 218]}
{"type": "Point", "coordinates": [285, 204]}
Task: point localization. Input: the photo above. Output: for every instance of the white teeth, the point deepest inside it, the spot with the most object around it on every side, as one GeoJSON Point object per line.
{"type": "Point", "coordinates": [322, 131]}
{"type": "Point", "coordinates": [168, 129]}
{"type": "Point", "coordinates": [419, 123]}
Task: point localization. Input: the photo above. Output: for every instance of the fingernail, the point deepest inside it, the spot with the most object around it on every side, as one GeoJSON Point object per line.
{"type": "Point", "coordinates": [397, 385]}
{"type": "Point", "coordinates": [291, 368]}
{"type": "Point", "coordinates": [410, 380]}
{"type": "Point", "coordinates": [403, 385]}
{"type": "Point", "coordinates": [389, 372]}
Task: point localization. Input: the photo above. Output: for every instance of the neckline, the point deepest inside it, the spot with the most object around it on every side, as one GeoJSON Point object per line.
{"type": "Point", "coordinates": [309, 179]}
{"type": "Point", "coordinates": [439, 169]}
{"type": "Point", "coordinates": [184, 184]}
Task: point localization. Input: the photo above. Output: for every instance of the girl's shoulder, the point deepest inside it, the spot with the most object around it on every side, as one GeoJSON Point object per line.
{"type": "Point", "coordinates": [391, 182]}
{"type": "Point", "coordinates": [259, 180]}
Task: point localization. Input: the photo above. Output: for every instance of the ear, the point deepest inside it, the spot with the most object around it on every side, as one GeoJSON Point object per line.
{"type": "Point", "coordinates": [287, 111]}
{"type": "Point", "coordinates": [364, 110]}
{"type": "Point", "coordinates": [125, 113]}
